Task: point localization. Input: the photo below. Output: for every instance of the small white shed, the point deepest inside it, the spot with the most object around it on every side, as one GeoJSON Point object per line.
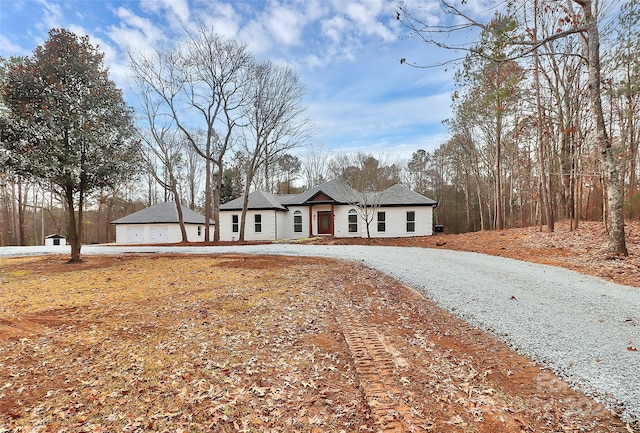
{"type": "Point", "coordinates": [55, 240]}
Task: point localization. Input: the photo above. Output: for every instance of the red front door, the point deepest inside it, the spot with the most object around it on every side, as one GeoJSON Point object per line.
{"type": "Point", "coordinates": [325, 223]}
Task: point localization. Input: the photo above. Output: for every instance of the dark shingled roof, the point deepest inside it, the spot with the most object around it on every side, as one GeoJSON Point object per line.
{"type": "Point", "coordinates": [337, 191]}
{"type": "Point", "coordinates": [257, 200]}
{"type": "Point", "coordinates": [400, 195]}
{"type": "Point", "coordinates": [54, 236]}
{"type": "Point", "coordinates": [161, 213]}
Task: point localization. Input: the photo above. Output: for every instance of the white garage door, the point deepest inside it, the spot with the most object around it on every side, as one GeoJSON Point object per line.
{"type": "Point", "coordinates": [135, 235]}
{"type": "Point", "coordinates": [159, 234]}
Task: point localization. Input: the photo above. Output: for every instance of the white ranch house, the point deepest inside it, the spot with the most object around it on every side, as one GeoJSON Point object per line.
{"type": "Point", "coordinates": [159, 225]}
{"type": "Point", "coordinates": [331, 209]}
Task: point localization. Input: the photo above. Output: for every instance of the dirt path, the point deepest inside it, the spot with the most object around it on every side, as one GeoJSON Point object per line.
{"type": "Point", "coordinates": [375, 367]}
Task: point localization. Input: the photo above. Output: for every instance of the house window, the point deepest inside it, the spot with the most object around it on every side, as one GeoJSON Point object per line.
{"type": "Point", "coordinates": [199, 231]}
{"type": "Point", "coordinates": [411, 221]}
{"type": "Point", "coordinates": [257, 220]}
{"type": "Point", "coordinates": [297, 221]}
{"type": "Point", "coordinates": [234, 224]}
{"type": "Point", "coordinates": [382, 221]}
{"type": "Point", "coordinates": [353, 221]}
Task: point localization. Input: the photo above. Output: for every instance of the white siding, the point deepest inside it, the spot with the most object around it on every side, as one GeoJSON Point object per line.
{"type": "Point", "coordinates": [396, 222]}
{"type": "Point", "coordinates": [279, 225]}
{"type": "Point", "coordinates": [192, 232]}
{"type": "Point", "coordinates": [341, 223]}
{"type": "Point", "coordinates": [175, 235]}
{"type": "Point", "coordinates": [226, 233]}
{"type": "Point", "coordinates": [50, 242]}
{"type": "Point", "coordinates": [270, 225]}
{"type": "Point", "coordinates": [287, 226]}
{"type": "Point", "coordinates": [156, 233]}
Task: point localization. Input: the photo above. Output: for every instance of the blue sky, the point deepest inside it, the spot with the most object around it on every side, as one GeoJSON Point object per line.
{"type": "Point", "coordinates": [347, 52]}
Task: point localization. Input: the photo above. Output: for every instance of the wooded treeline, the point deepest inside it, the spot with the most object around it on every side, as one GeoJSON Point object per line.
{"type": "Point", "coordinates": [523, 150]}
{"type": "Point", "coordinates": [545, 111]}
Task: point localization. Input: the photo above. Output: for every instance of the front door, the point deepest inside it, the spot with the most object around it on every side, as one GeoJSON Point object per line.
{"type": "Point", "coordinates": [325, 226]}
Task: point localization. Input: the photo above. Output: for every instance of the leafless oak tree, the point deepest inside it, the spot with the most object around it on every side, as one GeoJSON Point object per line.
{"type": "Point", "coordinates": [276, 122]}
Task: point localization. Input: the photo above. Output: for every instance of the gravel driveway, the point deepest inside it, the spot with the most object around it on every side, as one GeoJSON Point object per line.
{"type": "Point", "coordinates": [585, 329]}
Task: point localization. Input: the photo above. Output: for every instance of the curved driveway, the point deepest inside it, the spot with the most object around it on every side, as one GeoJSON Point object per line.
{"type": "Point", "coordinates": [584, 328]}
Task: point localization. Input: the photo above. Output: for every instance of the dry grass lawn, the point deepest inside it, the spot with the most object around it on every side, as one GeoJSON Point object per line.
{"type": "Point", "coordinates": [256, 344]}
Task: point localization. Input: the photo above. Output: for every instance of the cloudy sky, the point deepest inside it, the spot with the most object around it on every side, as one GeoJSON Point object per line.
{"type": "Point", "coordinates": [347, 52]}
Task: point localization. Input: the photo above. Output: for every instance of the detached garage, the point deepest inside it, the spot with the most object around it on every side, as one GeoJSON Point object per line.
{"type": "Point", "coordinates": [159, 225]}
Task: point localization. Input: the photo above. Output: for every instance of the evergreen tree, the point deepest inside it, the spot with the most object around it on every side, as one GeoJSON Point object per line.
{"type": "Point", "coordinates": [68, 125]}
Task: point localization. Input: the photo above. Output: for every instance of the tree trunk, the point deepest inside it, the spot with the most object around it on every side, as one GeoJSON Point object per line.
{"type": "Point", "coordinates": [546, 202]}
{"type": "Point", "coordinates": [467, 202]}
{"type": "Point", "coordinates": [480, 208]}
{"type": "Point", "coordinates": [615, 190]}
{"type": "Point", "coordinates": [176, 197]}
{"type": "Point", "coordinates": [22, 203]}
{"type": "Point", "coordinates": [633, 144]}
{"type": "Point", "coordinates": [207, 195]}
{"type": "Point", "coordinates": [243, 216]}
{"type": "Point", "coordinates": [216, 201]}
{"type": "Point", "coordinates": [74, 227]}
{"type": "Point", "coordinates": [498, 163]}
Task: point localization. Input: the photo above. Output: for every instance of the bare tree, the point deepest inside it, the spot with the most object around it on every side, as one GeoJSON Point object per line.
{"type": "Point", "coordinates": [276, 122]}
{"type": "Point", "coordinates": [586, 25]}
{"type": "Point", "coordinates": [163, 147]}
{"type": "Point", "coordinates": [314, 167]}
{"type": "Point", "coordinates": [365, 179]}
{"type": "Point", "coordinates": [203, 84]}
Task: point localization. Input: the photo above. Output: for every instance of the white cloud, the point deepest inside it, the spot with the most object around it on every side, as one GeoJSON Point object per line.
{"type": "Point", "coordinates": [335, 27]}
{"type": "Point", "coordinates": [135, 31]}
{"type": "Point", "coordinates": [313, 61]}
{"type": "Point", "coordinates": [178, 12]}
{"type": "Point", "coordinates": [418, 117]}
{"type": "Point", "coordinates": [221, 17]}
{"type": "Point", "coordinates": [119, 70]}
{"type": "Point", "coordinates": [285, 24]}
{"type": "Point", "coordinates": [365, 17]}
{"type": "Point", "coordinates": [278, 27]}
{"type": "Point", "coordinates": [8, 48]}
{"type": "Point", "coordinates": [52, 15]}
{"type": "Point", "coordinates": [256, 37]}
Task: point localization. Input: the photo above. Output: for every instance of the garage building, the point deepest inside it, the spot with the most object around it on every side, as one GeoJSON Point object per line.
{"type": "Point", "coordinates": [159, 225]}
